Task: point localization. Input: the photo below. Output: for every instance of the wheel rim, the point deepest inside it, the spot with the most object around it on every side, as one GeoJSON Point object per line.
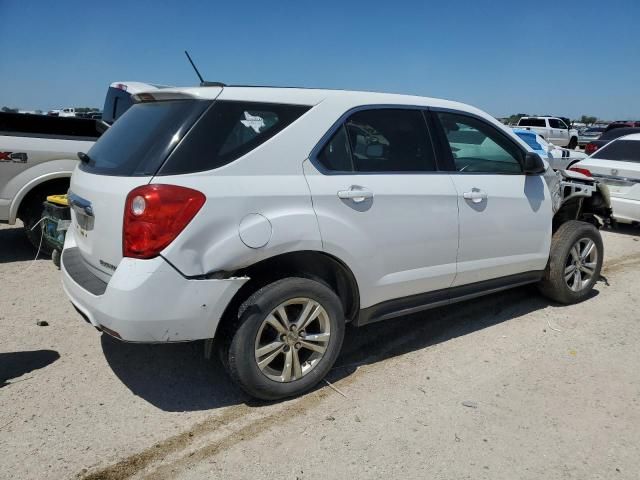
{"type": "Point", "coordinates": [581, 264]}
{"type": "Point", "coordinates": [292, 340]}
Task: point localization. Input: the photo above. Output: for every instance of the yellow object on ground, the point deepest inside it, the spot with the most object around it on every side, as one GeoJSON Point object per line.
{"type": "Point", "coordinates": [58, 200]}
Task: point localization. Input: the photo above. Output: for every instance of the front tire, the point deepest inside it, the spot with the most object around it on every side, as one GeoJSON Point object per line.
{"type": "Point", "coordinates": [573, 143]}
{"type": "Point", "coordinates": [574, 263]}
{"type": "Point", "coordinates": [286, 338]}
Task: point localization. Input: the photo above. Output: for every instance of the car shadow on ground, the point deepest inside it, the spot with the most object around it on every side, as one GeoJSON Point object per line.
{"type": "Point", "coordinates": [625, 229]}
{"type": "Point", "coordinates": [14, 246]}
{"type": "Point", "coordinates": [177, 377]}
{"type": "Point", "coordinates": [16, 364]}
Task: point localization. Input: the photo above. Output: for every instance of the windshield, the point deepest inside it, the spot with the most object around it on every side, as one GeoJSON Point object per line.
{"type": "Point", "coordinates": [140, 141]}
{"type": "Point", "coordinates": [622, 150]}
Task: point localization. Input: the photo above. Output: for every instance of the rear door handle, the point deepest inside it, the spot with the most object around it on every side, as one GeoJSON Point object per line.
{"type": "Point", "coordinates": [475, 195]}
{"type": "Point", "coordinates": [356, 194]}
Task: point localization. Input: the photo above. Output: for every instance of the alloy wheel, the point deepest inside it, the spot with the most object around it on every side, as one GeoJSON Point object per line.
{"type": "Point", "coordinates": [581, 264]}
{"type": "Point", "coordinates": [292, 339]}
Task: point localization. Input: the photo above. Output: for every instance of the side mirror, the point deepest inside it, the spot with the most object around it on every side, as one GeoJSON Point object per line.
{"type": "Point", "coordinates": [533, 164]}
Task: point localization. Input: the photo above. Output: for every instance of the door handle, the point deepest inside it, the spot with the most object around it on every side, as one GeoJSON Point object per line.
{"type": "Point", "coordinates": [356, 194]}
{"type": "Point", "coordinates": [475, 195]}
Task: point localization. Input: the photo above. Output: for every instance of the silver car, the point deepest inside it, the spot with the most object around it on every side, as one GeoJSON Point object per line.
{"type": "Point", "coordinates": [589, 134]}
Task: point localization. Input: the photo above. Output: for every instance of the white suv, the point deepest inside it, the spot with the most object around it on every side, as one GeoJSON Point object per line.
{"type": "Point", "coordinates": [269, 218]}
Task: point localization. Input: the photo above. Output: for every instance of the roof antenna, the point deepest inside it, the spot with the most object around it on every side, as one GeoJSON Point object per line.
{"type": "Point", "coordinates": [203, 83]}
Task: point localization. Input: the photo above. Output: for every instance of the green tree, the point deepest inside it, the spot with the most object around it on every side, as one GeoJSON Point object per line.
{"type": "Point", "coordinates": [513, 119]}
{"type": "Point", "coordinates": [588, 120]}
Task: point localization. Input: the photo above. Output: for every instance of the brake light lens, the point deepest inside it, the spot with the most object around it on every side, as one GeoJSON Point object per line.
{"type": "Point", "coordinates": [154, 215]}
{"type": "Point", "coordinates": [590, 148]}
{"type": "Point", "coordinates": [583, 171]}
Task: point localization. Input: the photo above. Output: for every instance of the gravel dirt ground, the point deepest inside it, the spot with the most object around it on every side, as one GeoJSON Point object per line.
{"type": "Point", "coordinates": [505, 387]}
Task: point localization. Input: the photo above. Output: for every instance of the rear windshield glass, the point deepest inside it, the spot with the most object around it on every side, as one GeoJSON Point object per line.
{"type": "Point", "coordinates": [618, 132]}
{"type": "Point", "coordinates": [227, 131]}
{"type": "Point", "coordinates": [138, 143]}
{"type": "Point", "coordinates": [623, 150]}
{"type": "Point", "coordinates": [531, 122]}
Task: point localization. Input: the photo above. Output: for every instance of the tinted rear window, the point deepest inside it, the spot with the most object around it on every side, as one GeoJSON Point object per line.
{"type": "Point", "coordinates": [532, 122]}
{"type": "Point", "coordinates": [623, 150]}
{"type": "Point", "coordinates": [618, 132]}
{"type": "Point", "coordinates": [47, 126]}
{"type": "Point", "coordinates": [227, 131]}
{"type": "Point", "coordinates": [138, 143]}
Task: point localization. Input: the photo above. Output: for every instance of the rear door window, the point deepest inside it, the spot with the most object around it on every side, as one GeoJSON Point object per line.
{"type": "Point", "coordinates": [382, 140]}
{"type": "Point", "coordinates": [226, 132]}
{"type": "Point", "coordinates": [390, 140]}
{"type": "Point", "coordinates": [335, 155]}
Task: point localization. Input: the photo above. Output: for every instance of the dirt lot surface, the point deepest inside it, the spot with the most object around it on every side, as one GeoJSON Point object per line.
{"type": "Point", "coordinates": [504, 387]}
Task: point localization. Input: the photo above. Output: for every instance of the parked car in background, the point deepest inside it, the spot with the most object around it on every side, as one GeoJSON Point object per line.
{"type": "Point", "coordinates": [63, 112]}
{"type": "Point", "coordinates": [268, 218]}
{"type": "Point", "coordinates": [38, 154]}
{"type": "Point", "coordinates": [589, 134]}
{"type": "Point", "coordinates": [622, 124]}
{"type": "Point", "coordinates": [552, 129]}
{"type": "Point", "coordinates": [607, 136]}
{"type": "Point", "coordinates": [119, 98]}
{"type": "Point", "coordinates": [617, 165]}
{"type": "Point", "coordinates": [559, 158]}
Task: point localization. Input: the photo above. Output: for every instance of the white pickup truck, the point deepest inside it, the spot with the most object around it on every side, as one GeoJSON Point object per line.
{"type": "Point", "coordinates": [553, 129]}
{"type": "Point", "coordinates": [39, 152]}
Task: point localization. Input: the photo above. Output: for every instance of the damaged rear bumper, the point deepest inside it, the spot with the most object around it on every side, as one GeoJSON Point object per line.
{"type": "Point", "coordinates": [148, 300]}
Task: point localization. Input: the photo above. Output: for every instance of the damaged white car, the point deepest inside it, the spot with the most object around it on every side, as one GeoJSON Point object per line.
{"type": "Point", "coordinates": [269, 218]}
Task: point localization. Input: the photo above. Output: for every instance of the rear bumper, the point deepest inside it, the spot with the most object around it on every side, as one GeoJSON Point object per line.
{"type": "Point", "coordinates": [625, 210]}
{"type": "Point", "coordinates": [149, 301]}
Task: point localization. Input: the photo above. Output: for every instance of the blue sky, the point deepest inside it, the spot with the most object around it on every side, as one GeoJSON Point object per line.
{"type": "Point", "coordinates": [547, 57]}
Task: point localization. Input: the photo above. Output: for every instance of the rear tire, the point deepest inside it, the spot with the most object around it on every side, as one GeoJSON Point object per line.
{"type": "Point", "coordinates": [574, 263]}
{"type": "Point", "coordinates": [268, 349]}
{"type": "Point", "coordinates": [30, 215]}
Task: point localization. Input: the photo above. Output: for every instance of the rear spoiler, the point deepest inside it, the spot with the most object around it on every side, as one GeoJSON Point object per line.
{"type": "Point", "coordinates": [191, 93]}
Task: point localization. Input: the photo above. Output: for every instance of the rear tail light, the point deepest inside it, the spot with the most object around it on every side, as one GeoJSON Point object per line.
{"type": "Point", "coordinates": [154, 215]}
{"type": "Point", "coordinates": [583, 171]}
{"type": "Point", "coordinates": [590, 148]}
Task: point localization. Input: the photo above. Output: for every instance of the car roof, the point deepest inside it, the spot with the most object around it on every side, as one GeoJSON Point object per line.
{"type": "Point", "coordinates": [310, 96]}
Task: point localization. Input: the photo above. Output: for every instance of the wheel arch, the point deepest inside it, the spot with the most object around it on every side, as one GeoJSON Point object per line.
{"type": "Point", "coordinates": [312, 264]}
{"type": "Point", "coordinates": [41, 183]}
